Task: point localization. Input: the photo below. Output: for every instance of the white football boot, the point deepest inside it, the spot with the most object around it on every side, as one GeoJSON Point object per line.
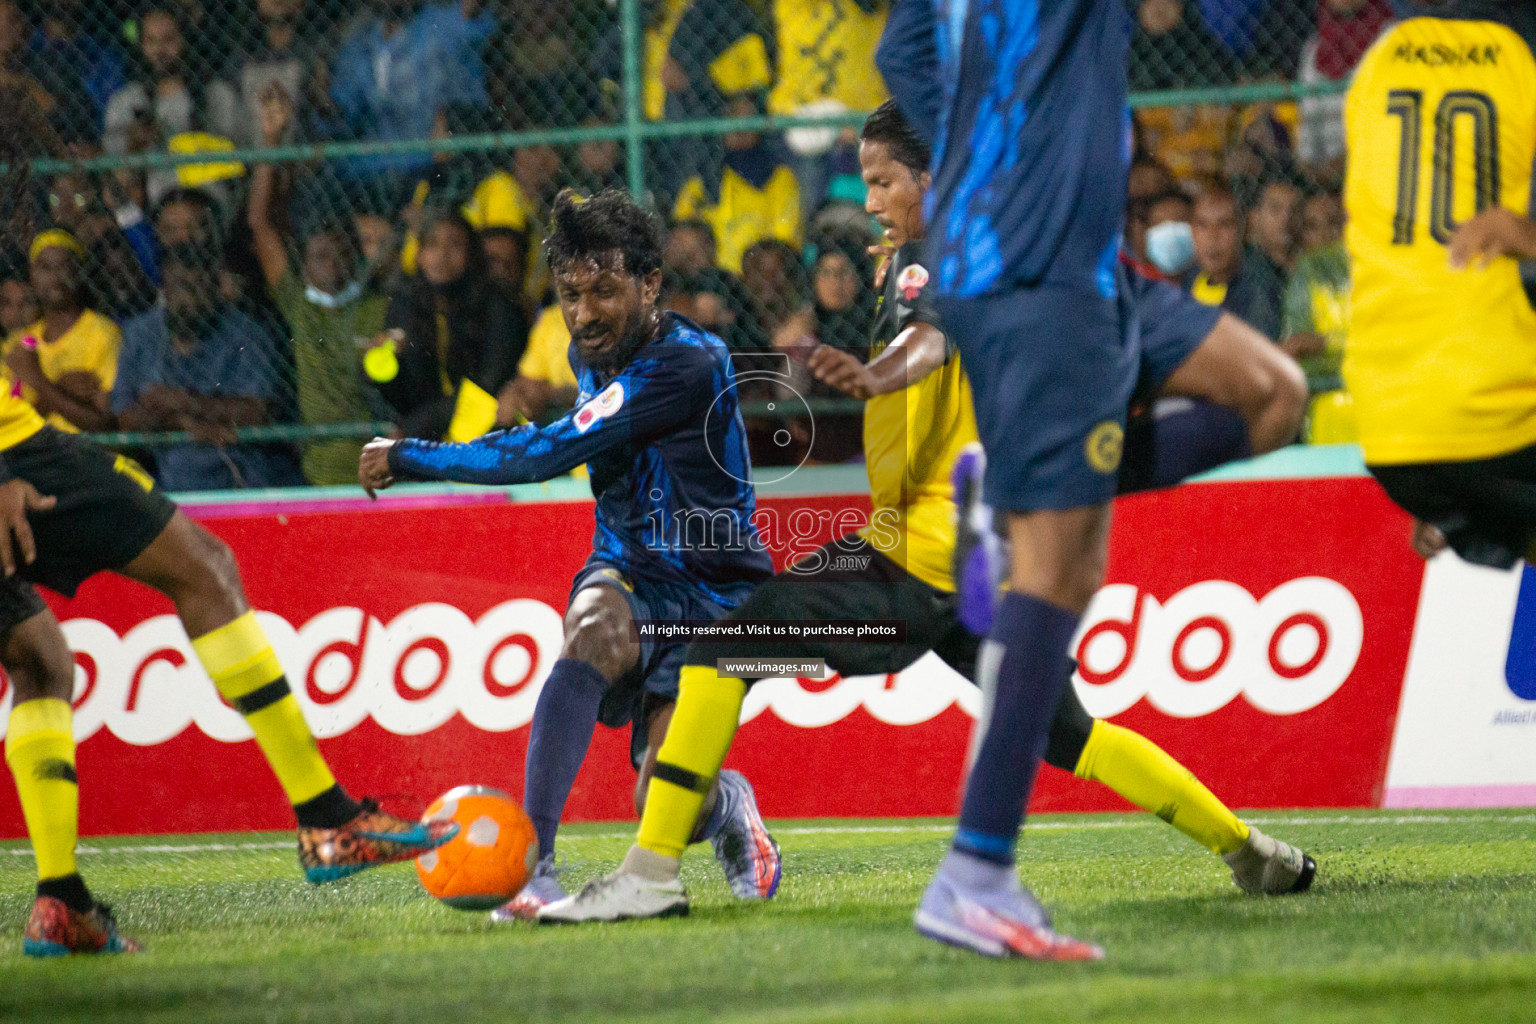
{"type": "Point", "coordinates": [1267, 867]}
{"type": "Point", "coordinates": [619, 897]}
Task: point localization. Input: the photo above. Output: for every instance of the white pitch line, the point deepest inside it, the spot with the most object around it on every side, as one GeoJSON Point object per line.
{"type": "Point", "coordinates": [838, 830]}
{"type": "Point", "coordinates": [169, 848]}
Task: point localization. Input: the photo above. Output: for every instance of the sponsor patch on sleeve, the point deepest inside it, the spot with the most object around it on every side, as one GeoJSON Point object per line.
{"type": "Point", "coordinates": [607, 402]}
{"type": "Point", "coordinates": [911, 281]}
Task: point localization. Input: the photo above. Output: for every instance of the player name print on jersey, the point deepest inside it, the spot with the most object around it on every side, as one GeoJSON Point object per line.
{"type": "Point", "coordinates": [1443, 55]}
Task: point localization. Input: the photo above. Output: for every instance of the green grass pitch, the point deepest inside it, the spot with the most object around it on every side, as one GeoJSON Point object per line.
{"type": "Point", "coordinates": [1421, 916]}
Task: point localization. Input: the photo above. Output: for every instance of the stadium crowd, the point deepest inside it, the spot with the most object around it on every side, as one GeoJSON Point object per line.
{"type": "Point", "coordinates": [405, 286]}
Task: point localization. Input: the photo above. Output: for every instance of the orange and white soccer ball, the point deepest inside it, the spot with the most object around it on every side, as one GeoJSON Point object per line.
{"type": "Point", "coordinates": [490, 859]}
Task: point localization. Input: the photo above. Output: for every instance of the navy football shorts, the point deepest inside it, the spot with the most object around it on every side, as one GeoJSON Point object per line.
{"type": "Point", "coordinates": [1052, 370]}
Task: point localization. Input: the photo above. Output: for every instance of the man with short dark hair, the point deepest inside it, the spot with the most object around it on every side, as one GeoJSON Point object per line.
{"type": "Point", "coordinates": [199, 364]}
{"type": "Point", "coordinates": [1274, 224]}
{"type": "Point", "coordinates": [506, 257]}
{"type": "Point", "coordinates": [659, 427]}
{"type": "Point", "coordinates": [1226, 275]}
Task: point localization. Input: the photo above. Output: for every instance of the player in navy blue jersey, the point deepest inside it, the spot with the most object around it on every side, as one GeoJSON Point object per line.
{"type": "Point", "coordinates": [1025, 104]}
{"type": "Point", "coordinates": [659, 428]}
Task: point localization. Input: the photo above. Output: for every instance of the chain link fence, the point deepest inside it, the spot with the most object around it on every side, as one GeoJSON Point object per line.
{"type": "Point", "coordinates": [295, 223]}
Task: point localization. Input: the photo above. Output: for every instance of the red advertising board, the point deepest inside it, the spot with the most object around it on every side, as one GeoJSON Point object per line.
{"type": "Point", "coordinates": [1257, 630]}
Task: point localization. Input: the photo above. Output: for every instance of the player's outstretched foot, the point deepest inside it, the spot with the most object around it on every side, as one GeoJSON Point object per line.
{"type": "Point", "coordinates": [55, 930]}
{"type": "Point", "coordinates": [747, 853]}
{"type": "Point", "coordinates": [981, 556]}
{"type": "Point", "coordinates": [542, 889]}
{"type": "Point", "coordinates": [372, 838]}
{"type": "Point", "coordinates": [1266, 866]}
{"type": "Point", "coordinates": [983, 907]}
{"type": "Point", "coordinates": [619, 897]}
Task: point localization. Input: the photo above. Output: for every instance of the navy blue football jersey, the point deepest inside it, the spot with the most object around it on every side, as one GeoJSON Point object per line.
{"type": "Point", "coordinates": [1030, 137]}
{"type": "Point", "coordinates": [665, 446]}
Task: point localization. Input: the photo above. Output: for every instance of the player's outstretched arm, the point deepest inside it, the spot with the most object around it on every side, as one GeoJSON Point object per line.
{"type": "Point", "coordinates": [651, 398]}
{"type": "Point", "coordinates": [916, 352]}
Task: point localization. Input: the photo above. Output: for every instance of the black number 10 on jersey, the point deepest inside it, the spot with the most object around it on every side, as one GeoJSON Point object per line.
{"type": "Point", "coordinates": [1408, 106]}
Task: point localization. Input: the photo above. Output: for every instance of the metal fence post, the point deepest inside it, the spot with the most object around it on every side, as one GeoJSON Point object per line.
{"type": "Point", "coordinates": [633, 40]}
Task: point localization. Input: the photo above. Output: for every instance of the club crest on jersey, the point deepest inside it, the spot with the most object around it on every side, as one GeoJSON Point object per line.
{"type": "Point", "coordinates": [911, 281]}
{"type": "Point", "coordinates": [607, 402]}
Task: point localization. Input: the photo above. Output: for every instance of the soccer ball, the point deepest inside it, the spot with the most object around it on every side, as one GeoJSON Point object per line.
{"type": "Point", "coordinates": [489, 860]}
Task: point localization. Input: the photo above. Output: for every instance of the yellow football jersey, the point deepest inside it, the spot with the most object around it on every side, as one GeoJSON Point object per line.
{"type": "Point", "coordinates": [911, 439]}
{"type": "Point", "coordinates": [90, 345]}
{"type": "Point", "coordinates": [743, 213]}
{"type": "Point", "coordinates": [1440, 124]}
{"type": "Point", "coordinates": [826, 51]}
{"type": "Point", "coordinates": [18, 420]}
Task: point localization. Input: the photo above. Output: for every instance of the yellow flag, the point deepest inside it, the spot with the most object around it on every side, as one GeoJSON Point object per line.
{"type": "Point", "coordinates": [474, 412]}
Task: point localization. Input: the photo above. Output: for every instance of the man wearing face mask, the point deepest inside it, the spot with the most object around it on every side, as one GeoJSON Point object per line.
{"type": "Point", "coordinates": [198, 364]}
{"type": "Point", "coordinates": [331, 314]}
{"type": "Point", "coordinates": [659, 426]}
{"type": "Point", "coordinates": [1168, 244]}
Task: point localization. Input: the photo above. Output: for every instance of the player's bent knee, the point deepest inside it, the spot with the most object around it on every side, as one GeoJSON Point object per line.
{"type": "Point", "coordinates": [197, 571]}
{"type": "Point", "coordinates": [1275, 400]}
{"type": "Point", "coordinates": [601, 642]}
{"type": "Point", "coordinates": [597, 631]}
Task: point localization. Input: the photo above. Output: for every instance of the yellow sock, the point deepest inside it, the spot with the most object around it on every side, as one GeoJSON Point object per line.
{"type": "Point", "coordinates": [1143, 773]}
{"type": "Point", "coordinates": [703, 725]}
{"type": "Point", "coordinates": [242, 665]}
{"type": "Point", "coordinates": [40, 748]}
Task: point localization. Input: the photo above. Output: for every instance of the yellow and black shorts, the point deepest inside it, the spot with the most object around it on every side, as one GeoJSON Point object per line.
{"type": "Point", "coordinates": [108, 511]}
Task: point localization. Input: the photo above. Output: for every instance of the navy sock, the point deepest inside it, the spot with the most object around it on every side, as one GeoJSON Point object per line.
{"type": "Point", "coordinates": [563, 721]}
{"type": "Point", "coordinates": [1023, 656]}
{"type": "Point", "coordinates": [1180, 438]}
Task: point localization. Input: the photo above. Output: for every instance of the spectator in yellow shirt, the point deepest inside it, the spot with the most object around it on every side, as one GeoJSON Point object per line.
{"type": "Point", "coordinates": [545, 382]}
{"type": "Point", "coordinates": [753, 196]}
{"type": "Point", "coordinates": [66, 363]}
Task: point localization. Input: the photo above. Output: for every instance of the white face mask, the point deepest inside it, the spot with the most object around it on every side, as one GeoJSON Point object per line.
{"type": "Point", "coordinates": [325, 300]}
{"type": "Point", "coordinates": [1171, 246]}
